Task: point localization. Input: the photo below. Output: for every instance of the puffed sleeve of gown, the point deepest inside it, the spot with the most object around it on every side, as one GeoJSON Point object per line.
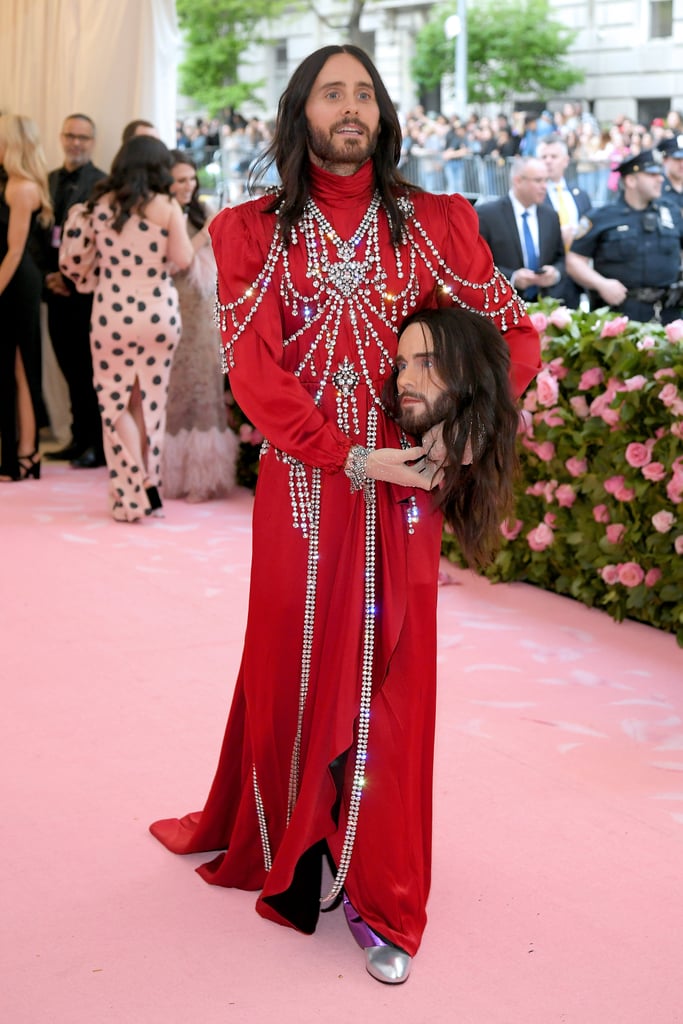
{"type": "Point", "coordinates": [77, 252]}
{"type": "Point", "coordinates": [270, 395]}
{"type": "Point", "coordinates": [453, 224]}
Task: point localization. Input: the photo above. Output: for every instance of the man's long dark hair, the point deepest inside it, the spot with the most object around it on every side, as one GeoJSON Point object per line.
{"type": "Point", "coordinates": [141, 169]}
{"type": "Point", "coordinates": [472, 361]}
{"type": "Point", "coordinates": [289, 146]}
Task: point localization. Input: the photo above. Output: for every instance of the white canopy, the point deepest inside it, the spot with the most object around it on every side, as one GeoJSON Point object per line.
{"type": "Point", "coordinates": [114, 60]}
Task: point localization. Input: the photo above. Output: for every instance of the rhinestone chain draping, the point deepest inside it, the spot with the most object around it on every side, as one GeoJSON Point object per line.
{"type": "Point", "coordinates": [262, 824]}
{"type": "Point", "coordinates": [354, 285]}
{"type": "Point", "coordinates": [370, 613]}
{"type": "Point", "coordinates": [307, 645]}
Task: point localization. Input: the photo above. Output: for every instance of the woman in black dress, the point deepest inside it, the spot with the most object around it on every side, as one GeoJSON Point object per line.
{"type": "Point", "coordinates": [25, 214]}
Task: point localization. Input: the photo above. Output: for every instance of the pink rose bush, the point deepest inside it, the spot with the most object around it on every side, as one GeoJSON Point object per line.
{"type": "Point", "coordinates": [599, 502]}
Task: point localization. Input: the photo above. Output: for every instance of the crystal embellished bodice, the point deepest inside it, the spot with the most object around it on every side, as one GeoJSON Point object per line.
{"type": "Point", "coordinates": [343, 297]}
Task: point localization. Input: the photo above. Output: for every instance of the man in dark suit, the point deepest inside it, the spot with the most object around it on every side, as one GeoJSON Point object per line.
{"type": "Point", "coordinates": [569, 202]}
{"type": "Point", "coordinates": [68, 312]}
{"type": "Point", "coordinates": [524, 234]}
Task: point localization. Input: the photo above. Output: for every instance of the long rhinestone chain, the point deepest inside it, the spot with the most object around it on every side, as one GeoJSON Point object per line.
{"type": "Point", "coordinates": [366, 679]}
{"type": "Point", "coordinates": [307, 646]}
{"type": "Point", "coordinates": [262, 823]}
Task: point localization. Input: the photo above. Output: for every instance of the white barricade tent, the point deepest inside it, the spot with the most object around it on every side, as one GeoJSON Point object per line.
{"type": "Point", "coordinates": [114, 60]}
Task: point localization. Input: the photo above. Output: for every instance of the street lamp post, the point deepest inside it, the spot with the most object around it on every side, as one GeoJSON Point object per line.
{"type": "Point", "coordinates": [456, 28]}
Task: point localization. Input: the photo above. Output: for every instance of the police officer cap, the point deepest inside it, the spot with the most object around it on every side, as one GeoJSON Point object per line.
{"type": "Point", "coordinates": [672, 147]}
{"type": "Point", "coordinates": [645, 162]}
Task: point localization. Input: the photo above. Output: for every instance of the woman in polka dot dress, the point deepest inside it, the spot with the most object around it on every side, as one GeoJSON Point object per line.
{"type": "Point", "coordinates": [120, 245]}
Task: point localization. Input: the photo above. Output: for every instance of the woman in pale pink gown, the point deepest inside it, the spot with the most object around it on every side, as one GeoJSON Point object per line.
{"type": "Point", "coordinates": [120, 244]}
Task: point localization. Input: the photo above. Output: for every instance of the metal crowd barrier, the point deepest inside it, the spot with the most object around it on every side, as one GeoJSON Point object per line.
{"type": "Point", "coordinates": [479, 179]}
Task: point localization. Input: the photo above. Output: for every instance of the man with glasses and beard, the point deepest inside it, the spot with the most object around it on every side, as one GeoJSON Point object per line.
{"type": "Point", "coordinates": [635, 248]}
{"type": "Point", "coordinates": [68, 311]}
{"type": "Point", "coordinates": [329, 745]}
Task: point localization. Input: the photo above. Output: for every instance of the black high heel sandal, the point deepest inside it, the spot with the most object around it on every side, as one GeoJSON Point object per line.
{"type": "Point", "coordinates": [29, 466]}
{"type": "Point", "coordinates": [153, 498]}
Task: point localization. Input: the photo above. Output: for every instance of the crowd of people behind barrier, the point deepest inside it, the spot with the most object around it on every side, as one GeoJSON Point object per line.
{"type": "Point", "coordinates": [468, 155]}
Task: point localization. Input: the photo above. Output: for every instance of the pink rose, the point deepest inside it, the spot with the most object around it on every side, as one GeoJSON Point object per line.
{"type": "Point", "coordinates": [674, 489]}
{"type": "Point", "coordinates": [664, 373]}
{"type": "Point", "coordinates": [636, 383]}
{"type": "Point", "coordinates": [613, 483]}
{"type": "Point", "coordinates": [579, 406]}
{"type": "Point", "coordinates": [677, 407]}
{"type": "Point", "coordinates": [610, 574]}
{"type": "Point", "coordinates": [560, 318]}
{"type": "Point", "coordinates": [546, 388]}
{"type": "Point", "coordinates": [536, 489]}
{"type": "Point", "coordinates": [545, 451]}
{"type": "Point", "coordinates": [550, 519]}
{"type": "Point", "coordinates": [557, 368]}
{"type": "Point", "coordinates": [625, 494]}
{"type": "Point", "coordinates": [565, 496]}
{"type": "Point", "coordinates": [638, 454]}
{"type": "Point", "coordinates": [591, 378]}
{"type": "Point", "coordinates": [668, 394]}
{"type": "Point", "coordinates": [654, 471]}
{"type": "Point", "coordinates": [540, 538]}
{"type": "Point", "coordinates": [663, 521]}
{"type": "Point", "coordinates": [540, 321]}
{"type": "Point", "coordinates": [549, 490]}
{"type": "Point", "coordinates": [652, 576]}
{"type": "Point", "coordinates": [645, 343]}
{"type": "Point", "coordinates": [674, 330]}
{"type": "Point", "coordinates": [631, 574]}
{"type": "Point", "coordinates": [602, 406]}
{"type": "Point", "coordinates": [615, 533]}
{"type": "Point", "coordinates": [678, 544]}
{"type": "Point", "coordinates": [614, 327]}
{"type": "Point", "coordinates": [530, 402]}
{"type": "Point", "coordinates": [576, 467]}
{"type": "Point", "coordinates": [551, 418]}
{"type": "Point", "coordinates": [511, 532]}
{"type": "Point", "coordinates": [526, 423]}
{"type": "Point", "coordinates": [601, 514]}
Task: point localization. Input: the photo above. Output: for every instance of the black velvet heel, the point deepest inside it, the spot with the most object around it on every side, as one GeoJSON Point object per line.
{"type": "Point", "coordinates": [29, 466]}
{"type": "Point", "coordinates": [153, 498]}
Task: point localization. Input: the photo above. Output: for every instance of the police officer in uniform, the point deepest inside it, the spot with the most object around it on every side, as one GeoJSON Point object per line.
{"type": "Point", "coordinates": [672, 159]}
{"type": "Point", "coordinates": [635, 246]}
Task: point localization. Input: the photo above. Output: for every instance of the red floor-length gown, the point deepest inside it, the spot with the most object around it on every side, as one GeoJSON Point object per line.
{"type": "Point", "coordinates": [309, 615]}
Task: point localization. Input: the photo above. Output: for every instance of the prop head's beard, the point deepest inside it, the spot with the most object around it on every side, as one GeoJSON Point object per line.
{"type": "Point", "coordinates": [417, 420]}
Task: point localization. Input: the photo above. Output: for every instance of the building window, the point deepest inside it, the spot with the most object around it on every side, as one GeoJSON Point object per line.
{"type": "Point", "coordinates": [661, 19]}
{"type": "Point", "coordinates": [280, 73]}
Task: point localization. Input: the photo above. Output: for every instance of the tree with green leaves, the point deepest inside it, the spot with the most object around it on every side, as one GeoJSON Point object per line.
{"type": "Point", "coordinates": [513, 47]}
{"type": "Point", "coordinates": [217, 34]}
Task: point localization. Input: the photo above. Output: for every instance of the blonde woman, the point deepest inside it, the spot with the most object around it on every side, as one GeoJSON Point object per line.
{"type": "Point", "coordinates": [25, 213]}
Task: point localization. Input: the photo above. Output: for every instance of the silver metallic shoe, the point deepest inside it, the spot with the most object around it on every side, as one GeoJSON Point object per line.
{"type": "Point", "coordinates": [388, 964]}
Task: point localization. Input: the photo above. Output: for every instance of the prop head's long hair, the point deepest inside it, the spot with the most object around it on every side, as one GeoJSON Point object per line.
{"type": "Point", "coordinates": [289, 146]}
{"type": "Point", "coordinates": [472, 361]}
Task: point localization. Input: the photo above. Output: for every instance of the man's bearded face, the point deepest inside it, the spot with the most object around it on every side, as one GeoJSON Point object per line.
{"type": "Point", "coordinates": [342, 116]}
{"type": "Point", "coordinates": [423, 400]}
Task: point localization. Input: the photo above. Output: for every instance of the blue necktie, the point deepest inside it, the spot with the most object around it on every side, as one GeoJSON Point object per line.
{"type": "Point", "coordinates": [531, 254]}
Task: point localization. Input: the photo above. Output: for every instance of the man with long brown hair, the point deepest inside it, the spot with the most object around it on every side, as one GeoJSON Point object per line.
{"type": "Point", "coordinates": [329, 744]}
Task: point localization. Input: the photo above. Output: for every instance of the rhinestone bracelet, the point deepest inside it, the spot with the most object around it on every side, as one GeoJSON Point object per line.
{"type": "Point", "coordinates": [355, 467]}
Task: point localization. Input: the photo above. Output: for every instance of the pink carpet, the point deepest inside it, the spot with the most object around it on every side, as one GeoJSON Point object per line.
{"type": "Point", "coordinates": [558, 856]}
